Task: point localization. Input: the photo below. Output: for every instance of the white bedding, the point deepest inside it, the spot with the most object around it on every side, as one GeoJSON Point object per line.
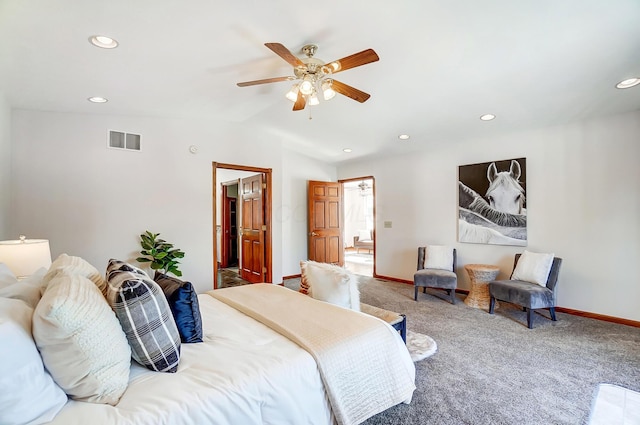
{"type": "Point", "coordinates": [243, 373]}
{"type": "Point", "coordinates": [364, 364]}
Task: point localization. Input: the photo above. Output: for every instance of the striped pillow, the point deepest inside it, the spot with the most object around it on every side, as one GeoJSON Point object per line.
{"type": "Point", "coordinates": [305, 288]}
{"type": "Point", "coordinates": [145, 317]}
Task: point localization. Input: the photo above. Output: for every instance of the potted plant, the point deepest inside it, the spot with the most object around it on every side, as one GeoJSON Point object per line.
{"type": "Point", "coordinates": [161, 254]}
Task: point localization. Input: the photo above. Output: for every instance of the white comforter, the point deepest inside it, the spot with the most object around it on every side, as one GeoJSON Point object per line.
{"type": "Point", "coordinates": [243, 373]}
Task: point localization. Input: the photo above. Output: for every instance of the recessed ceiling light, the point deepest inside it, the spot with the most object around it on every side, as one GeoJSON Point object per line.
{"type": "Point", "coordinates": [103, 41]}
{"type": "Point", "coordinates": [487, 117]}
{"type": "Point", "coordinates": [628, 83]}
{"type": "Point", "coordinates": [98, 99]}
{"type": "Point", "coordinates": [404, 137]}
{"type": "Point", "coordinates": [347, 150]}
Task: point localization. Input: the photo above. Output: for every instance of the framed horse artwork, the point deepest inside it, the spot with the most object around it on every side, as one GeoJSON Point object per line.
{"type": "Point", "coordinates": [492, 206]}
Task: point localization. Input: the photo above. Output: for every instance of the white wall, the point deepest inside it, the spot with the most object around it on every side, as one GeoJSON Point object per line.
{"type": "Point", "coordinates": [5, 168]}
{"type": "Point", "coordinates": [94, 202]}
{"type": "Point", "coordinates": [292, 212]}
{"type": "Point", "coordinates": [583, 204]}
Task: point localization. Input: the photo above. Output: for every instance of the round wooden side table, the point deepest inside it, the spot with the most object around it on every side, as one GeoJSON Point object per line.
{"type": "Point", "coordinates": [480, 275]}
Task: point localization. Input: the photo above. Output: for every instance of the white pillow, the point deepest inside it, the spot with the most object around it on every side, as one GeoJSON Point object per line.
{"type": "Point", "coordinates": [81, 341]}
{"type": "Point", "coordinates": [332, 284]}
{"type": "Point", "coordinates": [68, 264]}
{"type": "Point", "coordinates": [29, 394]}
{"type": "Point", "coordinates": [6, 276]}
{"type": "Point", "coordinates": [438, 257]}
{"type": "Point", "coordinates": [533, 267]}
{"type": "Point", "coordinates": [364, 235]}
{"type": "Point", "coordinates": [28, 290]}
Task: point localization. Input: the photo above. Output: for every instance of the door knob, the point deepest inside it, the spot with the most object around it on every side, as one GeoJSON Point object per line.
{"type": "Point", "coordinates": [313, 234]}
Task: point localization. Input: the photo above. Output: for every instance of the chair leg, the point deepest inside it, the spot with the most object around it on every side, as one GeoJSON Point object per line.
{"type": "Point", "coordinates": [424, 289]}
{"type": "Point", "coordinates": [552, 311]}
{"type": "Point", "coordinates": [452, 293]}
{"type": "Point", "coordinates": [492, 304]}
{"type": "Point", "coordinates": [530, 318]}
{"type": "Point", "coordinates": [415, 294]}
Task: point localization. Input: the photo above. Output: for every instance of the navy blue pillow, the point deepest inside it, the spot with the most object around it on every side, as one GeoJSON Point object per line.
{"type": "Point", "coordinates": [183, 302]}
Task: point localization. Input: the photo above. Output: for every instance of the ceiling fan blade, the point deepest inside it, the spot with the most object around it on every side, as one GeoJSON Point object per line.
{"type": "Point", "coordinates": [285, 54]}
{"type": "Point", "coordinates": [265, 81]}
{"type": "Point", "coordinates": [301, 102]}
{"type": "Point", "coordinates": [361, 58]}
{"type": "Point", "coordinates": [349, 91]}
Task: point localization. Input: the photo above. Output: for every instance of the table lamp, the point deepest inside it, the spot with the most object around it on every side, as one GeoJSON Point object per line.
{"type": "Point", "coordinates": [25, 256]}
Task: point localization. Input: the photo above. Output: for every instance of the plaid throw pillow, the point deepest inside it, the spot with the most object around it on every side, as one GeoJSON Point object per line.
{"type": "Point", "coordinates": [145, 317]}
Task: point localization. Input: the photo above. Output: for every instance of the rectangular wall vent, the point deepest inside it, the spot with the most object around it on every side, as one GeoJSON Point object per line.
{"type": "Point", "coordinates": [122, 140]}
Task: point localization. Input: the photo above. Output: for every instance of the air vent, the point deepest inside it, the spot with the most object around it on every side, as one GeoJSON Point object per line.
{"type": "Point", "coordinates": [122, 140]}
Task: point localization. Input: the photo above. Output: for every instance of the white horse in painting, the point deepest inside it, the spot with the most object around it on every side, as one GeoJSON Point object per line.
{"type": "Point", "coordinates": [505, 193]}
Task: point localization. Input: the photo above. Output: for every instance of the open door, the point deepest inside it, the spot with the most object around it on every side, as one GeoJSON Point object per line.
{"type": "Point", "coordinates": [222, 172]}
{"type": "Point", "coordinates": [253, 230]}
{"type": "Point", "coordinates": [325, 222]}
{"type": "Point", "coordinates": [229, 237]}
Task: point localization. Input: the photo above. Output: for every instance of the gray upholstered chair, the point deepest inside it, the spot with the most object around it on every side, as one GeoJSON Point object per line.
{"type": "Point", "coordinates": [435, 277]}
{"type": "Point", "coordinates": [530, 296]}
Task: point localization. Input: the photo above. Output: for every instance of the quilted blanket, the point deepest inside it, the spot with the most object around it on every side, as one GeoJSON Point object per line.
{"type": "Point", "coordinates": [364, 364]}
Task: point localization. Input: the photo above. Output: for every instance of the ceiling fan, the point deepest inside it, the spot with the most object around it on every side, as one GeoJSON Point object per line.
{"type": "Point", "coordinates": [315, 76]}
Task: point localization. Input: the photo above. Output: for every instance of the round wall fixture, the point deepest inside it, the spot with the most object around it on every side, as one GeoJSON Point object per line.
{"type": "Point", "coordinates": [193, 149]}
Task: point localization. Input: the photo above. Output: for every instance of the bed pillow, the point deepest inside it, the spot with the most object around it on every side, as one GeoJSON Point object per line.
{"type": "Point", "coordinates": [533, 267]}
{"type": "Point", "coordinates": [28, 290]}
{"type": "Point", "coordinates": [145, 317]}
{"type": "Point", "coordinates": [29, 394]}
{"type": "Point", "coordinates": [183, 301]}
{"type": "Point", "coordinates": [364, 235]}
{"type": "Point", "coordinates": [304, 282]}
{"type": "Point", "coordinates": [6, 276]}
{"type": "Point", "coordinates": [331, 283]}
{"type": "Point", "coordinates": [81, 341]}
{"type": "Point", "coordinates": [438, 257]}
{"type": "Point", "coordinates": [75, 265]}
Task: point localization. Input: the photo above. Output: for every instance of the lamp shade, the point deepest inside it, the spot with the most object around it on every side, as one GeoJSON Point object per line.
{"type": "Point", "coordinates": [25, 256]}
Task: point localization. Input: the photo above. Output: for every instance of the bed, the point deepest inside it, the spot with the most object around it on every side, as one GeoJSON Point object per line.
{"type": "Point", "coordinates": [251, 367]}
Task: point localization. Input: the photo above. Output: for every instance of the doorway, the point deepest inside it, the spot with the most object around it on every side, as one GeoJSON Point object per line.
{"type": "Point", "coordinates": [341, 223]}
{"type": "Point", "coordinates": [242, 251]}
{"type": "Point", "coordinates": [359, 225]}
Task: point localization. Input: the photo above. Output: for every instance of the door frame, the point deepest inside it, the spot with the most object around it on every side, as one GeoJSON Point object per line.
{"type": "Point", "coordinates": [267, 199]}
{"type": "Point", "coordinates": [373, 232]}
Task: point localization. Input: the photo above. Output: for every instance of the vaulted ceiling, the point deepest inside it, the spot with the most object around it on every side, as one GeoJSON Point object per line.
{"type": "Point", "coordinates": [442, 65]}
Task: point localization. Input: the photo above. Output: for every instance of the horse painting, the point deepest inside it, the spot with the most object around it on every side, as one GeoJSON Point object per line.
{"type": "Point", "coordinates": [500, 217]}
{"type": "Point", "coordinates": [505, 193]}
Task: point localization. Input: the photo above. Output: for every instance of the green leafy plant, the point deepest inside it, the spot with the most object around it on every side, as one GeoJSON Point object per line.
{"type": "Point", "coordinates": [161, 254]}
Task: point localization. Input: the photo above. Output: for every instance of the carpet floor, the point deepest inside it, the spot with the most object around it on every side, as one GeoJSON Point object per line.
{"type": "Point", "coordinates": [492, 369]}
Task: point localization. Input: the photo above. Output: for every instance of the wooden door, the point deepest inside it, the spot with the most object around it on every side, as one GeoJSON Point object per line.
{"type": "Point", "coordinates": [252, 239]}
{"type": "Point", "coordinates": [229, 249]}
{"type": "Point", "coordinates": [325, 222]}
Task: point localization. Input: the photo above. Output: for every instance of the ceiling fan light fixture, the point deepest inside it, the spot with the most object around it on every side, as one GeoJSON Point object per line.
{"type": "Point", "coordinates": [292, 94]}
{"type": "Point", "coordinates": [327, 91]}
{"type": "Point", "coordinates": [313, 99]}
{"type": "Point", "coordinates": [306, 86]}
